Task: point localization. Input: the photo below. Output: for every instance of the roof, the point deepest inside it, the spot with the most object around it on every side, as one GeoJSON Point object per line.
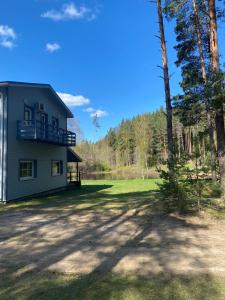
{"type": "Point", "coordinates": [72, 156]}
{"type": "Point", "coordinates": [69, 114]}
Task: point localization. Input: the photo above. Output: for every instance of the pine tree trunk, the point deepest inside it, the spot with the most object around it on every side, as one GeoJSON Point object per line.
{"type": "Point", "coordinates": [219, 118]}
{"type": "Point", "coordinates": [205, 78]}
{"type": "Point", "coordinates": [169, 113]}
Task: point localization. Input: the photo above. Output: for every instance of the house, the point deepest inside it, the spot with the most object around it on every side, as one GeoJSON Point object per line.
{"type": "Point", "coordinates": [34, 140]}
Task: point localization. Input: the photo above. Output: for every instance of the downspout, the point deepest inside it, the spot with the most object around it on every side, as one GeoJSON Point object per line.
{"type": "Point", "coordinates": [1, 139]}
{"type": "Point", "coordinates": [4, 148]}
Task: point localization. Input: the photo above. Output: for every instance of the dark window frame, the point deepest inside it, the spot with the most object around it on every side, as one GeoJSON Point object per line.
{"type": "Point", "coordinates": [32, 112]}
{"type": "Point", "coordinates": [60, 166]}
{"type": "Point", "coordinates": [46, 117]}
{"type": "Point", "coordinates": [57, 123]}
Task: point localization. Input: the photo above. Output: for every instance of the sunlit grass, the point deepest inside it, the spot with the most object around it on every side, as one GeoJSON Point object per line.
{"type": "Point", "coordinates": [114, 196]}
{"type": "Point", "coordinates": [47, 286]}
{"type": "Point", "coordinates": [95, 195]}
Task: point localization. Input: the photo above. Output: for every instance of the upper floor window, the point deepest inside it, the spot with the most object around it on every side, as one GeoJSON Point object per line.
{"type": "Point", "coordinates": [55, 123]}
{"type": "Point", "coordinates": [28, 113]}
{"type": "Point", "coordinates": [27, 169]}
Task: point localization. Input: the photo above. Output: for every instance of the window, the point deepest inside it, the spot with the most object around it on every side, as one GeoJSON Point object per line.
{"type": "Point", "coordinates": [28, 113]}
{"type": "Point", "coordinates": [44, 124]}
{"type": "Point", "coordinates": [27, 169]}
{"type": "Point", "coordinates": [57, 167]}
{"type": "Point", "coordinates": [55, 123]}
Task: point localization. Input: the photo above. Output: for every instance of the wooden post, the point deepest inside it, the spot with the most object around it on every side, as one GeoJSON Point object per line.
{"type": "Point", "coordinates": [79, 179]}
{"type": "Point", "coordinates": [77, 172]}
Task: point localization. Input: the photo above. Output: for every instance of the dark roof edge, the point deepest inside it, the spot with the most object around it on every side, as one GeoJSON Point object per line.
{"type": "Point", "coordinates": [78, 158]}
{"type": "Point", "coordinates": [40, 85]}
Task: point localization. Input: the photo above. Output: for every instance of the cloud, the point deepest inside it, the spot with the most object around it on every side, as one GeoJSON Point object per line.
{"type": "Point", "coordinates": [7, 44]}
{"type": "Point", "coordinates": [69, 11]}
{"type": "Point", "coordinates": [7, 36]}
{"type": "Point", "coordinates": [96, 112]}
{"type": "Point", "coordinates": [52, 47]}
{"type": "Point", "coordinates": [72, 100]}
{"type": "Point", "coordinates": [89, 110]}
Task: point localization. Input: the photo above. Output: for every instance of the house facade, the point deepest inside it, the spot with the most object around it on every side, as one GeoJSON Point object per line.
{"type": "Point", "coordinates": [33, 140]}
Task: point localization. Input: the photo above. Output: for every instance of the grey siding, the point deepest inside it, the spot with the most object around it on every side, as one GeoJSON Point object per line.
{"type": "Point", "coordinates": [3, 144]}
{"type": "Point", "coordinates": [43, 153]}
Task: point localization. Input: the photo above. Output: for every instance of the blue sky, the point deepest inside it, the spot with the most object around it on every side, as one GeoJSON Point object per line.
{"type": "Point", "coordinates": [102, 53]}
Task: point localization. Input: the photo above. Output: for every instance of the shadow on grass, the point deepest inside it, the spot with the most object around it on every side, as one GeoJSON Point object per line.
{"type": "Point", "coordinates": [57, 199]}
{"type": "Point", "coordinates": [49, 286]}
{"type": "Point", "coordinates": [88, 197]}
{"type": "Point", "coordinates": [89, 237]}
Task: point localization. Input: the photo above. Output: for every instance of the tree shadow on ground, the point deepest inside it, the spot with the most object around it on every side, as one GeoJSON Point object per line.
{"type": "Point", "coordinates": [57, 199]}
{"type": "Point", "coordinates": [51, 286]}
{"type": "Point", "coordinates": [131, 252]}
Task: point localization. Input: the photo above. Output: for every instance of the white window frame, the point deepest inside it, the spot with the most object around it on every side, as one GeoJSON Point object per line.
{"type": "Point", "coordinates": [26, 177]}
{"type": "Point", "coordinates": [59, 162]}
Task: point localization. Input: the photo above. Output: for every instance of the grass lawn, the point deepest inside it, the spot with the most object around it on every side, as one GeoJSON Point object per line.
{"type": "Point", "coordinates": [96, 195]}
{"type": "Point", "coordinates": [112, 287]}
{"type": "Point", "coordinates": [115, 195]}
{"type": "Point", "coordinates": [101, 197]}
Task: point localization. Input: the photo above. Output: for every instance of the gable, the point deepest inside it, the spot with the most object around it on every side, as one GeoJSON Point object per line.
{"type": "Point", "coordinates": [46, 87]}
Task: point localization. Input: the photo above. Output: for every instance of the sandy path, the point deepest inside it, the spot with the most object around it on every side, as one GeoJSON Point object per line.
{"type": "Point", "coordinates": [85, 242]}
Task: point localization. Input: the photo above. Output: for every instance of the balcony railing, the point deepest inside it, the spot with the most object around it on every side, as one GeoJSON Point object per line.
{"type": "Point", "coordinates": [45, 133]}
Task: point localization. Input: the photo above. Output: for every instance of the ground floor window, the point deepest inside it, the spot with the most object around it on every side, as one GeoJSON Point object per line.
{"type": "Point", "coordinates": [27, 169]}
{"type": "Point", "coordinates": [57, 167]}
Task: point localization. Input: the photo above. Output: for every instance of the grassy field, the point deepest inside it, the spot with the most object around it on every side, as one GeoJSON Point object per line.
{"type": "Point", "coordinates": [96, 195]}
{"type": "Point", "coordinates": [112, 287]}
{"type": "Point", "coordinates": [103, 197]}
{"type": "Point", "coordinates": [116, 195]}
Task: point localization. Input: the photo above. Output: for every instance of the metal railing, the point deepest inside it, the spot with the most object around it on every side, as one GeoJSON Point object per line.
{"type": "Point", "coordinates": [46, 133]}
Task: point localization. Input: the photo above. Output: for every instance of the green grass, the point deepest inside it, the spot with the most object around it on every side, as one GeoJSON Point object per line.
{"type": "Point", "coordinates": [96, 195]}
{"type": "Point", "coordinates": [49, 286]}
{"type": "Point", "coordinates": [116, 195]}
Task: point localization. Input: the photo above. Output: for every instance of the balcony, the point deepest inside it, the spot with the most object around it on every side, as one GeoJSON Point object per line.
{"type": "Point", "coordinates": [39, 132]}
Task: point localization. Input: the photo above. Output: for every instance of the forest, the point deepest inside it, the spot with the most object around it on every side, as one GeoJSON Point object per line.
{"type": "Point", "coordinates": [142, 141]}
{"type": "Point", "coordinates": [188, 136]}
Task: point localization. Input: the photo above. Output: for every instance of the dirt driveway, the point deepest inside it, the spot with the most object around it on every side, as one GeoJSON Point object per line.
{"type": "Point", "coordinates": [81, 242]}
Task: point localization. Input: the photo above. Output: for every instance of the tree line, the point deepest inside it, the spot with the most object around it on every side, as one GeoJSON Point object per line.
{"type": "Point", "coordinates": [142, 141]}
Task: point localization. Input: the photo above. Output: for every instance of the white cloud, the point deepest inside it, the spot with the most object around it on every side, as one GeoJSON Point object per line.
{"type": "Point", "coordinates": [72, 100]}
{"type": "Point", "coordinates": [7, 36]}
{"type": "Point", "coordinates": [7, 44]}
{"type": "Point", "coordinates": [89, 109]}
{"type": "Point", "coordinates": [7, 32]}
{"type": "Point", "coordinates": [52, 47]}
{"type": "Point", "coordinates": [69, 11]}
{"type": "Point", "coordinates": [96, 112]}
{"type": "Point", "coordinates": [99, 113]}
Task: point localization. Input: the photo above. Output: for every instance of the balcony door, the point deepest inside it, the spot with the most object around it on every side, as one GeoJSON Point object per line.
{"type": "Point", "coordinates": [44, 124]}
{"type": "Point", "coordinates": [28, 115]}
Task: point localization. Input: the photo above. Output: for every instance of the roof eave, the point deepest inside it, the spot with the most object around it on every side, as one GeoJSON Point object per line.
{"type": "Point", "coordinates": [69, 113]}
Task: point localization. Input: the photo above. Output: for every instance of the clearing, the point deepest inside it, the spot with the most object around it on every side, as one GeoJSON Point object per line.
{"type": "Point", "coordinates": [108, 241]}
